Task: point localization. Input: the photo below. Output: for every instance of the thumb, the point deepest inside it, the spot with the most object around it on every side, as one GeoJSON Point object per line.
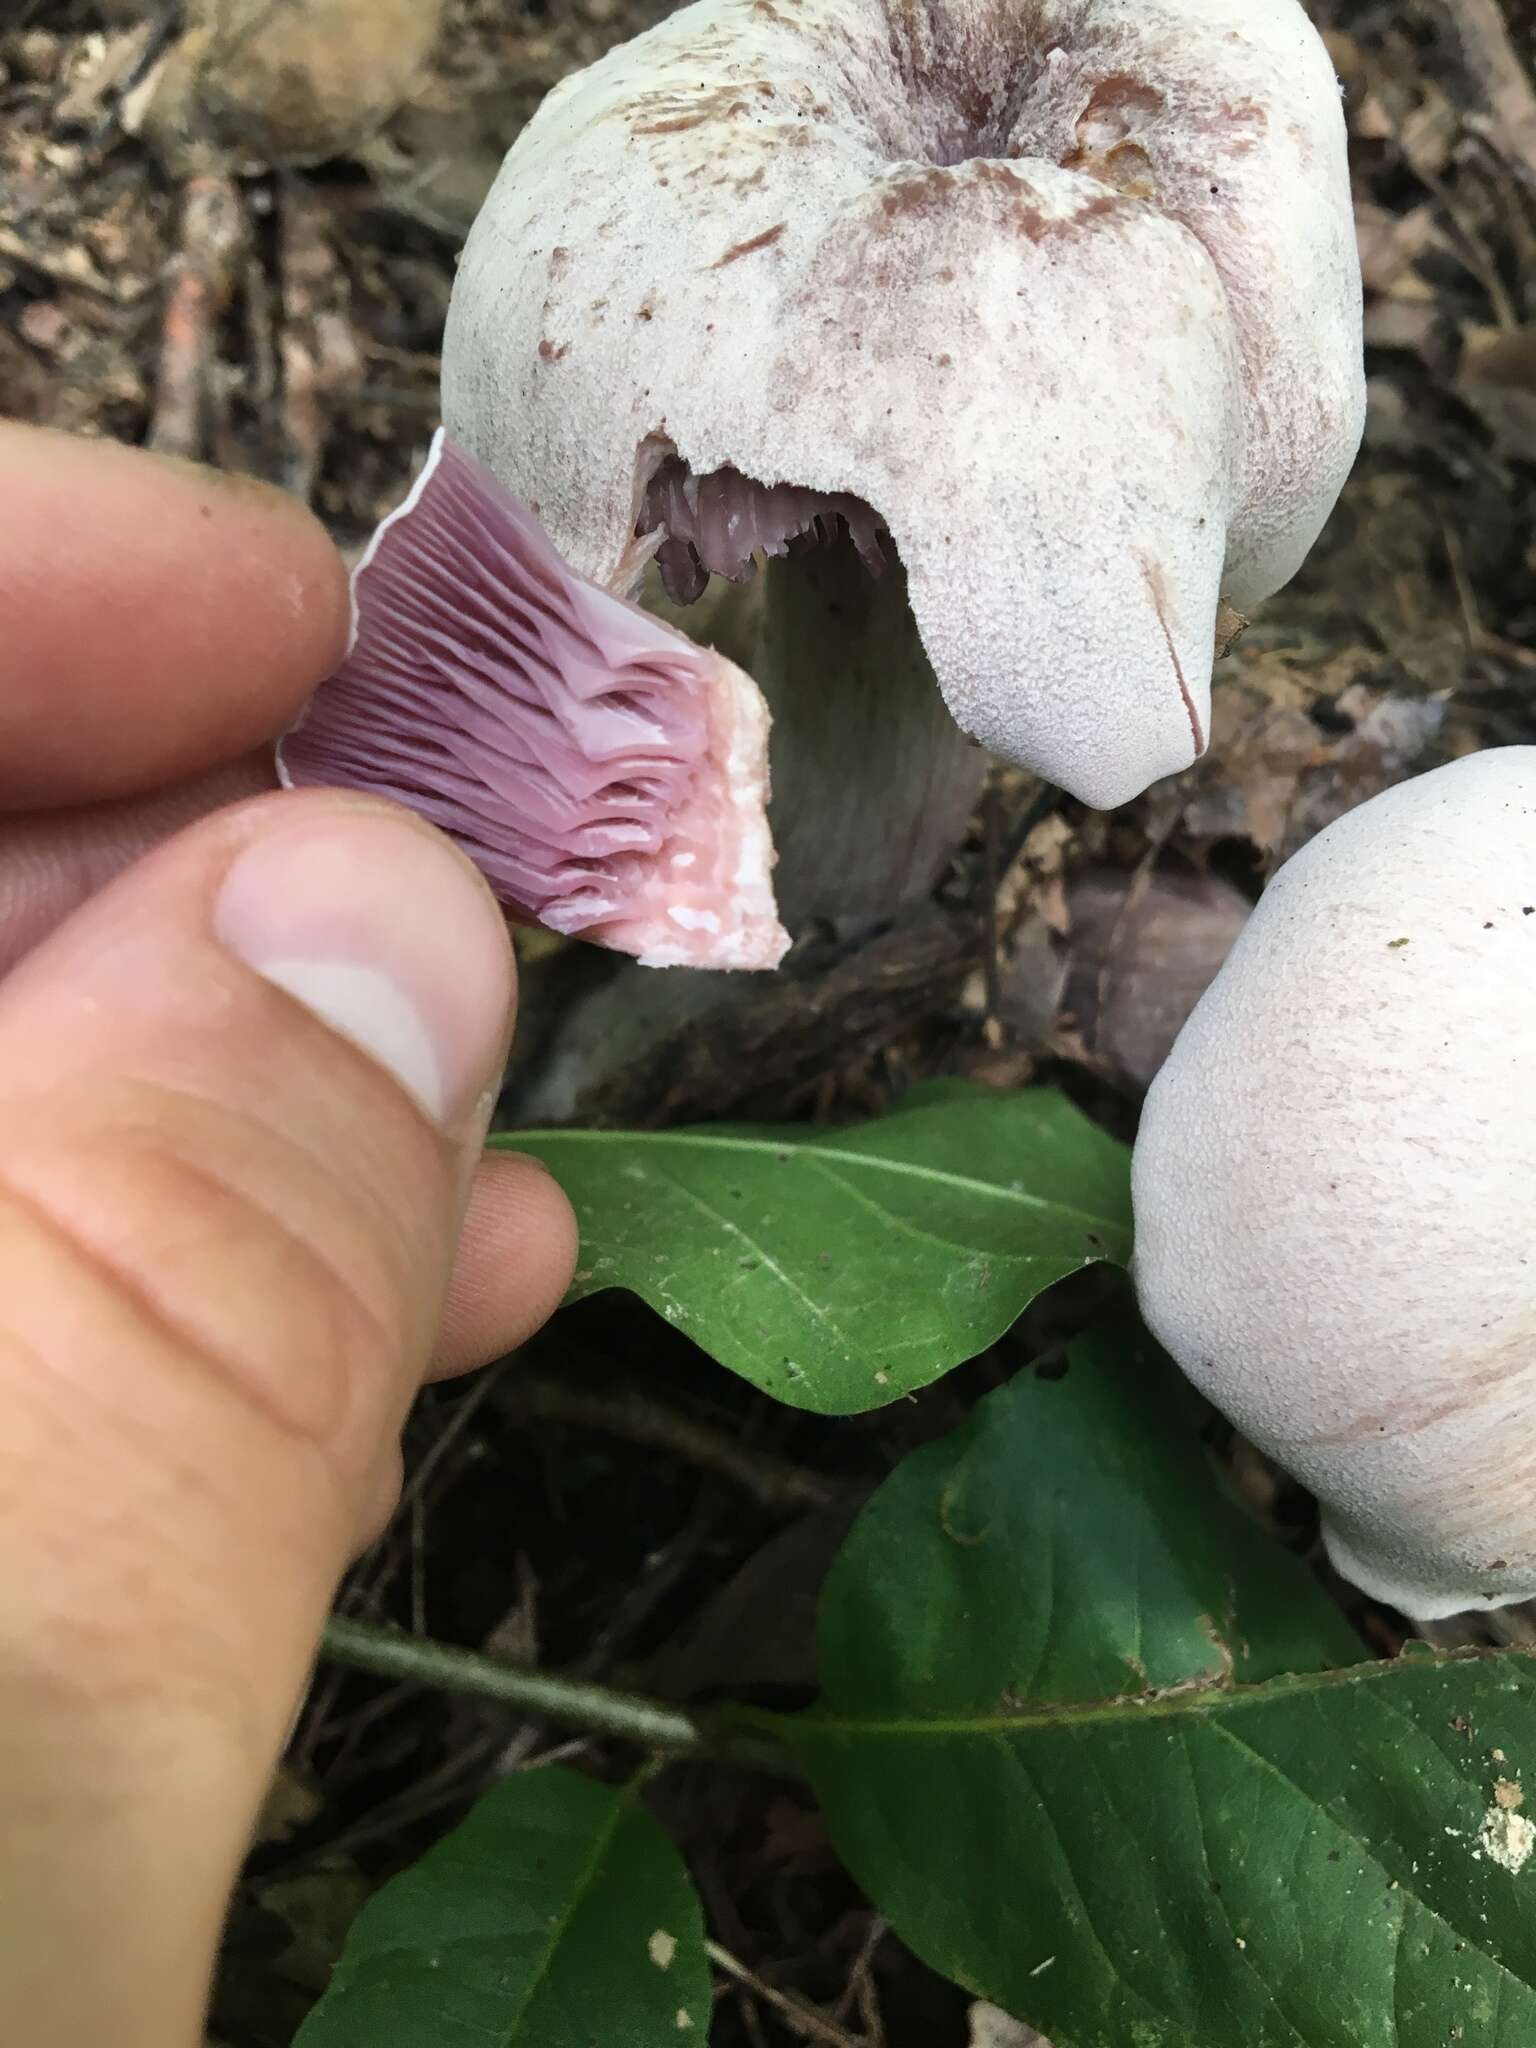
{"type": "Point", "coordinates": [241, 1094]}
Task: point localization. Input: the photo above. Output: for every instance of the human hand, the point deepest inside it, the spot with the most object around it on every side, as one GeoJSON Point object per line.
{"type": "Point", "coordinates": [244, 1079]}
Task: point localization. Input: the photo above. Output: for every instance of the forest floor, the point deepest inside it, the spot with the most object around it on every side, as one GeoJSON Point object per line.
{"type": "Point", "coordinates": [609, 1505]}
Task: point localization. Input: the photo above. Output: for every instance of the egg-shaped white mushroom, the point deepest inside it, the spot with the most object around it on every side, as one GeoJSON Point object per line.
{"type": "Point", "coordinates": [1335, 1179]}
{"type": "Point", "coordinates": [1061, 295]}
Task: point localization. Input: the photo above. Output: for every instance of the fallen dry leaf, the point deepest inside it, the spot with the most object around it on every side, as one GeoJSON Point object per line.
{"type": "Point", "coordinates": [1144, 949]}
{"type": "Point", "coordinates": [265, 82]}
{"type": "Point", "coordinates": [1498, 380]}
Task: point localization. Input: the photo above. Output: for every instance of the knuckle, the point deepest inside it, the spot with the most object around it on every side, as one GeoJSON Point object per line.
{"type": "Point", "coordinates": [248, 1257]}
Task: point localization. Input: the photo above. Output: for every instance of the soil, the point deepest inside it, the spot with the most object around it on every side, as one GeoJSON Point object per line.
{"type": "Point", "coordinates": [278, 311]}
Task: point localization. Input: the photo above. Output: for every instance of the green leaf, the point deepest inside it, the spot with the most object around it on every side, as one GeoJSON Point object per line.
{"type": "Point", "coordinates": [841, 1269]}
{"type": "Point", "coordinates": [1105, 1755]}
{"type": "Point", "coordinates": [556, 1916]}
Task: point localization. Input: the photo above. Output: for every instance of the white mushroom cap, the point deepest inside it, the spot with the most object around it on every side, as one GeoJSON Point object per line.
{"type": "Point", "coordinates": [1065, 290]}
{"type": "Point", "coordinates": [1334, 1181]}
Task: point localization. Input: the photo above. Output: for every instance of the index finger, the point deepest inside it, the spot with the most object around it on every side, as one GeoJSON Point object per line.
{"type": "Point", "coordinates": [156, 617]}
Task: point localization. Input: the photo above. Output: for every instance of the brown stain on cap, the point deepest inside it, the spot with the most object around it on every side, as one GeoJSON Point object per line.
{"type": "Point", "coordinates": [739, 249]}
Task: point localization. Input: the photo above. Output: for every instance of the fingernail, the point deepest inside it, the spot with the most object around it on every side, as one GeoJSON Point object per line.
{"type": "Point", "coordinates": [380, 930]}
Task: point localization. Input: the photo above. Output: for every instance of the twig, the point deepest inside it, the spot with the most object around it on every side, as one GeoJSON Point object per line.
{"type": "Point", "coordinates": [1502, 79]}
{"type": "Point", "coordinates": [393, 396]}
{"type": "Point", "coordinates": [261, 340]}
{"type": "Point", "coordinates": [126, 65]}
{"type": "Point", "coordinates": [418, 1568]}
{"type": "Point", "coordinates": [365, 1588]}
{"type": "Point", "coordinates": [1466, 596]}
{"type": "Point", "coordinates": [165, 25]}
{"type": "Point", "coordinates": [366, 1591]}
{"type": "Point", "coordinates": [627, 1413]}
{"type": "Point", "coordinates": [805, 2019]}
{"type": "Point", "coordinates": [71, 269]}
{"type": "Point", "coordinates": [991, 937]}
{"type": "Point", "coordinates": [653, 1725]}
{"type": "Point", "coordinates": [456, 1780]}
{"type": "Point", "coordinates": [662, 1573]}
{"type": "Point", "coordinates": [751, 2020]}
{"type": "Point", "coordinates": [1047, 799]}
{"type": "Point", "coordinates": [1474, 257]}
{"type": "Point", "coordinates": [318, 347]}
{"type": "Point", "coordinates": [213, 238]}
{"type": "Point", "coordinates": [125, 58]}
{"type": "Point", "coordinates": [860, 1987]}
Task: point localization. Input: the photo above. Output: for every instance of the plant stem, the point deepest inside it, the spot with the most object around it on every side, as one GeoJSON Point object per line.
{"type": "Point", "coordinates": [810, 2024]}
{"type": "Point", "coordinates": [651, 1724]}
{"type": "Point", "coordinates": [629, 1413]}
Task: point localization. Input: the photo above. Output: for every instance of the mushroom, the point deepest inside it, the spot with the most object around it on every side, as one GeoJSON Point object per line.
{"type": "Point", "coordinates": [1333, 1183]}
{"type": "Point", "coordinates": [1047, 314]}
{"type": "Point", "coordinates": [1009, 339]}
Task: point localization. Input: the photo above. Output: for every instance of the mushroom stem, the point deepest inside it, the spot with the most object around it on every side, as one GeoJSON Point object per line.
{"type": "Point", "coordinates": [873, 782]}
